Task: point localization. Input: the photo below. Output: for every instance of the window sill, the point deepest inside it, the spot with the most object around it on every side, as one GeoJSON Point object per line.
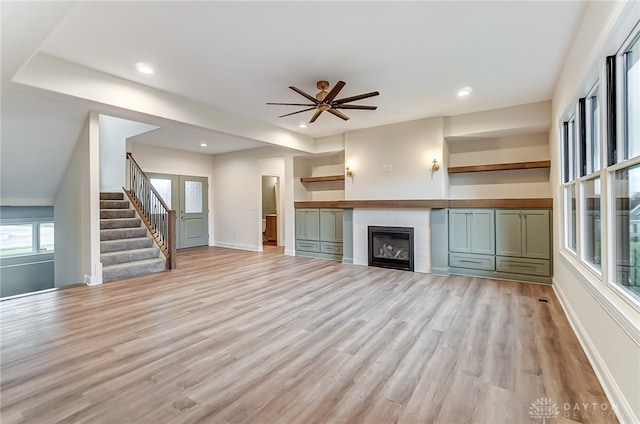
{"type": "Point", "coordinates": [26, 259]}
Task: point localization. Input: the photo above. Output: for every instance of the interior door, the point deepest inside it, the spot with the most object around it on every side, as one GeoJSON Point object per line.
{"type": "Point", "coordinates": [188, 196]}
{"type": "Point", "coordinates": [193, 213]}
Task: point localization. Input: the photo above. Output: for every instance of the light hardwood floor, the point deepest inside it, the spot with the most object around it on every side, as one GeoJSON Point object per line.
{"type": "Point", "coordinates": [236, 336]}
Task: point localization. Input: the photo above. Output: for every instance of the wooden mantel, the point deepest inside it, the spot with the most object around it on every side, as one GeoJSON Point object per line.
{"type": "Point", "coordinates": [427, 203]}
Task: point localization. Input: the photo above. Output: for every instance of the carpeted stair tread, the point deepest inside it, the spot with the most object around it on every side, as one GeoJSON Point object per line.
{"type": "Point", "coordinates": [126, 248]}
{"type": "Point", "coordinates": [117, 213]}
{"type": "Point", "coordinates": [133, 269]}
{"type": "Point", "coordinates": [113, 223]}
{"type": "Point", "coordinates": [114, 204]}
{"type": "Point", "coordinates": [122, 233]}
{"type": "Point", "coordinates": [118, 245]}
{"type": "Point", "coordinates": [130, 255]}
{"type": "Point", "coordinates": [112, 196]}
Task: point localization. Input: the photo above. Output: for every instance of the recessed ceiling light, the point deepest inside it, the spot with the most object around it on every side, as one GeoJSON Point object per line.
{"type": "Point", "coordinates": [203, 144]}
{"type": "Point", "coordinates": [464, 91]}
{"type": "Point", "coordinates": [143, 68]}
{"type": "Point", "coordinates": [302, 125]}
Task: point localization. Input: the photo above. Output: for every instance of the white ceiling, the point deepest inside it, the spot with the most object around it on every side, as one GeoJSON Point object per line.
{"type": "Point", "coordinates": [237, 56]}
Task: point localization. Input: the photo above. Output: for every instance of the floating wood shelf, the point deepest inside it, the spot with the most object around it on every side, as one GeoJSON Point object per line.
{"type": "Point", "coordinates": [323, 179]}
{"type": "Point", "coordinates": [500, 167]}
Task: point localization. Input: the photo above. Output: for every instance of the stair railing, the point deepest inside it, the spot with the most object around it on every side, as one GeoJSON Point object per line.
{"type": "Point", "coordinates": [159, 219]}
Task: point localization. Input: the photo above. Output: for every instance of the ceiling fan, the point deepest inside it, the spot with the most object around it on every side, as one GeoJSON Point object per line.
{"type": "Point", "coordinates": [324, 101]}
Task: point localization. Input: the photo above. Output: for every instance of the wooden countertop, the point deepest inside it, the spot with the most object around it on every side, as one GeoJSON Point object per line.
{"type": "Point", "coordinates": [428, 203]}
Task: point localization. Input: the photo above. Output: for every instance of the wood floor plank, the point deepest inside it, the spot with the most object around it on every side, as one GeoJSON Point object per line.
{"type": "Point", "coordinates": [259, 337]}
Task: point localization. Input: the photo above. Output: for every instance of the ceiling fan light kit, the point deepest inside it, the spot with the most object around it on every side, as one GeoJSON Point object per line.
{"type": "Point", "coordinates": [324, 101]}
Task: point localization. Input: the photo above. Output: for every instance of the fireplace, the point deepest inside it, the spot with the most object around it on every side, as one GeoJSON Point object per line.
{"type": "Point", "coordinates": [391, 247]}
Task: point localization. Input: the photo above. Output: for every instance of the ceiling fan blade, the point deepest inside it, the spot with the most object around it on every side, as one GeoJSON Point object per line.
{"type": "Point", "coordinates": [354, 98]}
{"type": "Point", "coordinates": [302, 93]}
{"type": "Point", "coordinates": [315, 116]}
{"type": "Point", "coordinates": [338, 114]}
{"type": "Point", "coordinates": [292, 104]}
{"type": "Point", "coordinates": [334, 92]}
{"type": "Point", "coordinates": [300, 111]}
{"type": "Point", "coordinates": [361, 107]}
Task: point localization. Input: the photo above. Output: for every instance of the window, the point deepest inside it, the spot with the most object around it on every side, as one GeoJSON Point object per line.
{"type": "Point", "coordinates": [26, 238]}
{"type": "Point", "coordinates": [163, 187]}
{"type": "Point", "coordinates": [627, 238]}
{"type": "Point", "coordinates": [631, 99]}
{"type": "Point", "coordinates": [570, 218]}
{"type": "Point", "coordinates": [16, 239]}
{"type": "Point", "coordinates": [592, 222]}
{"type": "Point", "coordinates": [46, 237]}
{"type": "Point", "coordinates": [593, 131]}
{"type": "Point", "coordinates": [569, 150]}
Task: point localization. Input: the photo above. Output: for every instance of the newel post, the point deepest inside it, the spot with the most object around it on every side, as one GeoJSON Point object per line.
{"type": "Point", "coordinates": [171, 261]}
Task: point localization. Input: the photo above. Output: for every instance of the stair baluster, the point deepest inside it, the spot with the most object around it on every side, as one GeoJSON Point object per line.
{"type": "Point", "coordinates": [159, 219]}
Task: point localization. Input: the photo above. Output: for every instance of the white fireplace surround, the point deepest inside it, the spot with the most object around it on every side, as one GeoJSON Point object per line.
{"type": "Point", "coordinates": [419, 219]}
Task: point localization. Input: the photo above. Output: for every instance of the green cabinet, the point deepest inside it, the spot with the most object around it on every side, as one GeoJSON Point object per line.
{"type": "Point", "coordinates": [472, 231]}
{"type": "Point", "coordinates": [331, 225]}
{"type": "Point", "coordinates": [472, 239]}
{"type": "Point", "coordinates": [308, 224]}
{"type": "Point", "coordinates": [501, 243]}
{"type": "Point", "coordinates": [522, 233]}
{"type": "Point", "coordinates": [319, 232]}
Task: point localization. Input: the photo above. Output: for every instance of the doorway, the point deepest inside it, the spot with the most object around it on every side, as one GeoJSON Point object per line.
{"type": "Point", "coordinates": [270, 196]}
{"type": "Point", "coordinates": [188, 196]}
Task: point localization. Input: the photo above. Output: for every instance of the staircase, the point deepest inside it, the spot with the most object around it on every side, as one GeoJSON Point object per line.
{"type": "Point", "coordinates": [126, 248]}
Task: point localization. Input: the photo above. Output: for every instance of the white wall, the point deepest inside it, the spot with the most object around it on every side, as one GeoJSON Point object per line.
{"type": "Point", "coordinates": [77, 213]}
{"type": "Point", "coordinates": [324, 165]}
{"type": "Point", "coordinates": [531, 183]}
{"type": "Point", "coordinates": [113, 148]}
{"type": "Point", "coordinates": [177, 162]}
{"type": "Point", "coordinates": [409, 147]}
{"type": "Point", "coordinates": [605, 324]}
{"type": "Point", "coordinates": [237, 186]}
{"type": "Point", "coordinates": [532, 117]}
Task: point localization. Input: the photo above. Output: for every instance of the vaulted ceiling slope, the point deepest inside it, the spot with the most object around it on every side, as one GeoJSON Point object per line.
{"type": "Point", "coordinates": [237, 56]}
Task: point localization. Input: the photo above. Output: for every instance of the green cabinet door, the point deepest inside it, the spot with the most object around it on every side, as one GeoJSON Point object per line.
{"type": "Point", "coordinates": [472, 231]}
{"type": "Point", "coordinates": [482, 231]}
{"type": "Point", "coordinates": [307, 224]}
{"type": "Point", "coordinates": [508, 232]}
{"type": "Point", "coordinates": [535, 234]}
{"type": "Point", "coordinates": [459, 230]}
{"type": "Point", "coordinates": [523, 233]}
{"type": "Point", "coordinates": [331, 225]}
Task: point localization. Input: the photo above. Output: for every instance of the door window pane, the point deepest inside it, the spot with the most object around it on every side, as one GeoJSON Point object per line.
{"type": "Point", "coordinates": [632, 101]}
{"type": "Point", "coordinates": [46, 236]}
{"type": "Point", "coordinates": [627, 237]}
{"type": "Point", "coordinates": [193, 197]}
{"type": "Point", "coordinates": [570, 219]}
{"type": "Point", "coordinates": [592, 222]}
{"type": "Point", "coordinates": [16, 239]}
{"type": "Point", "coordinates": [163, 187]}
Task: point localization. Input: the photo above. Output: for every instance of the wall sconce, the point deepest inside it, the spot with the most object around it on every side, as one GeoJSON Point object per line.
{"type": "Point", "coordinates": [349, 172]}
{"type": "Point", "coordinates": [435, 165]}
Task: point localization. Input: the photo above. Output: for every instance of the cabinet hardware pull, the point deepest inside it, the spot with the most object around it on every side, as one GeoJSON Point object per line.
{"type": "Point", "coordinates": [521, 266]}
{"type": "Point", "coordinates": [470, 262]}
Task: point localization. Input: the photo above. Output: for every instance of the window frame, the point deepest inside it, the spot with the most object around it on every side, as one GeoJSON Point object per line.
{"type": "Point", "coordinates": [36, 248]}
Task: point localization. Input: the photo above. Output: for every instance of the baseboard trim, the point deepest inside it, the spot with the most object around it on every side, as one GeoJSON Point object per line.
{"type": "Point", "coordinates": [236, 246]}
{"type": "Point", "coordinates": [623, 410]}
